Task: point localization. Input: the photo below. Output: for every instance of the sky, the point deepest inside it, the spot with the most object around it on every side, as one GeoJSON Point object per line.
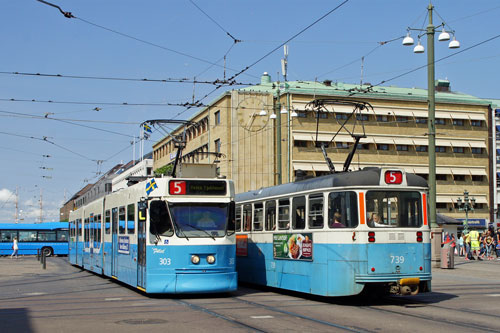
{"type": "Point", "coordinates": [62, 129]}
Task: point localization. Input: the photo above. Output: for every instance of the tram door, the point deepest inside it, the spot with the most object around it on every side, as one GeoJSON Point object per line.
{"type": "Point", "coordinates": [78, 239]}
{"type": "Point", "coordinates": [114, 241]}
{"type": "Point", "coordinates": [141, 244]}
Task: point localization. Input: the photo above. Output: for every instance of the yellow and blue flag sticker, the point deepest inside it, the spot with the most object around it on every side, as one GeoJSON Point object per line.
{"type": "Point", "coordinates": [147, 128]}
{"type": "Point", "coordinates": [150, 186]}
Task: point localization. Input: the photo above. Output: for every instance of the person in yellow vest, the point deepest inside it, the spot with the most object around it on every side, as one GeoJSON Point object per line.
{"type": "Point", "coordinates": [474, 243]}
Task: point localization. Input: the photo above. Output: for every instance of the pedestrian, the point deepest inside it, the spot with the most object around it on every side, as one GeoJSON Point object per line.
{"type": "Point", "coordinates": [461, 249]}
{"type": "Point", "coordinates": [453, 244]}
{"type": "Point", "coordinates": [474, 244]}
{"type": "Point", "coordinates": [15, 248]}
{"type": "Point", "coordinates": [468, 253]}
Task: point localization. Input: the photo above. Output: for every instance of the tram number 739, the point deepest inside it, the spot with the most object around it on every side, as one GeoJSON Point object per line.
{"type": "Point", "coordinates": [397, 259]}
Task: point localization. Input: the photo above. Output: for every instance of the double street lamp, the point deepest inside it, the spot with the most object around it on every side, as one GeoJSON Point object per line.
{"type": "Point", "coordinates": [466, 205]}
{"type": "Point", "coordinates": [431, 93]}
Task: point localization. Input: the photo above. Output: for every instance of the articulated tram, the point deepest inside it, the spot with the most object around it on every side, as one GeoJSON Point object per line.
{"type": "Point", "coordinates": [163, 235]}
{"type": "Point", "coordinates": [337, 235]}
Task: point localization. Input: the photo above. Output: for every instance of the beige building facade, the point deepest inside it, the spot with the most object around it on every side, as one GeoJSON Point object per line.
{"type": "Point", "coordinates": [268, 132]}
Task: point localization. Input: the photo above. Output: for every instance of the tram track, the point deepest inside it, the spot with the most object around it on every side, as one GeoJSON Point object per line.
{"type": "Point", "coordinates": [440, 320]}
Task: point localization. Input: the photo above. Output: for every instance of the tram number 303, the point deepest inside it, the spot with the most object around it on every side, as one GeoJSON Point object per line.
{"type": "Point", "coordinates": [397, 259]}
{"type": "Point", "coordinates": [165, 261]}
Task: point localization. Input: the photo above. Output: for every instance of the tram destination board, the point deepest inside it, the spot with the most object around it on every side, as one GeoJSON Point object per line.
{"type": "Point", "coordinates": [198, 187]}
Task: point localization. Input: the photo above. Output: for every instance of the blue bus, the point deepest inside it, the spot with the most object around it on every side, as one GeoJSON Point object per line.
{"type": "Point", "coordinates": [49, 237]}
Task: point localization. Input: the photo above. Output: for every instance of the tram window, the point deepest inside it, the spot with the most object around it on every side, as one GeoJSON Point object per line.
{"type": "Point", "coordinates": [47, 236]}
{"type": "Point", "coordinates": [131, 219]}
{"type": "Point", "coordinates": [231, 224]}
{"type": "Point", "coordinates": [247, 218]}
{"type": "Point", "coordinates": [121, 219]}
{"type": "Point", "coordinates": [258, 214]}
{"type": "Point", "coordinates": [99, 222]}
{"type": "Point", "coordinates": [238, 218]}
{"type": "Point", "coordinates": [160, 223]}
{"type": "Point", "coordinates": [315, 216]}
{"type": "Point", "coordinates": [299, 212]}
{"type": "Point", "coordinates": [270, 215]}
{"type": "Point", "coordinates": [394, 209]}
{"type": "Point", "coordinates": [79, 228]}
{"type": "Point", "coordinates": [284, 214]}
{"type": "Point", "coordinates": [107, 220]}
{"type": "Point", "coordinates": [8, 235]}
{"type": "Point", "coordinates": [342, 210]}
{"type": "Point", "coordinates": [27, 236]}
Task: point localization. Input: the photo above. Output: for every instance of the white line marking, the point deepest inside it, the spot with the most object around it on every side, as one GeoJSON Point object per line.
{"type": "Point", "coordinates": [261, 317]}
{"type": "Point", "coordinates": [113, 299]}
{"type": "Point", "coordinates": [34, 294]}
{"type": "Point", "coordinates": [494, 295]}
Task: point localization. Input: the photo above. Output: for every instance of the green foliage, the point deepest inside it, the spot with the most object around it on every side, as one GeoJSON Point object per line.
{"type": "Point", "coordinates": [164, 170]}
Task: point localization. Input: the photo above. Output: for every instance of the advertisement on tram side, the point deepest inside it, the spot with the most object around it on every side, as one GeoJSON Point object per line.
{"type": "Point", "coordinates": [293, 246]}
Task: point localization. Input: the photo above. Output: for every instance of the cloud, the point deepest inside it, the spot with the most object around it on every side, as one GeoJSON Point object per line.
{"type": "Point", "coordinates": [6, 195]}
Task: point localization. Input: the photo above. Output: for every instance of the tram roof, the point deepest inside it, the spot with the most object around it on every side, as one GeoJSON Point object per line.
{"type": "Point", "coordinates": [364, 177]}
{"type": "Point", "coordinates": [34, 226]}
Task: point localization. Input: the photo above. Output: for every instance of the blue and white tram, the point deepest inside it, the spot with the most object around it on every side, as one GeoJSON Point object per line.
{"type": "Point", "coordinates": [337, 235]}
{"type": "Point", "coordinates": [164, 235]}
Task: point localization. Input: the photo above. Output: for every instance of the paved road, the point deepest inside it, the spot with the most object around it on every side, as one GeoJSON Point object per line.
{"type": "Point", "coordinates": [64, 298]}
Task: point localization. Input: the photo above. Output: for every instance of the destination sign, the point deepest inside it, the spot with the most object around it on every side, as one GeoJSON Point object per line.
{"type": "Point", "coordinates": [197, 187]}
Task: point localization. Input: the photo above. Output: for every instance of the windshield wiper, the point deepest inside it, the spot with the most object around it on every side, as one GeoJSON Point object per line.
{"type": "Point", "coordinates": [199, 229]}
{"type": "Point", "coordinates": [176, 226]}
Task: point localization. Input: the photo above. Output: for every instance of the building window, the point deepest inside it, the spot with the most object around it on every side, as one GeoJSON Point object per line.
{"type": "Point", "coordinates": [440, 149]}
{"type": "Point", "coordinates": [476, 123]}
{"type": "Point", "coordinates": [302, 114]}
{"type": "Point", "coordinates": [477, 150]}
{"type": "Point", "coordinates": [363, 117]}
{"type": "Point", "coordinates": [441, 205]}
{"type": "Point", "coordinates": [401, 119]}
{"type": "Point", "coordinates": [382, 119]}
{"type": "Point", "coordinates": [217, 117]}
{"type": "Point", "coordinates": [341, 116]}
{"type": "Point", "coordinates": [341, 145]}
{"type": "Point", "coordinates": [441, 177]}
{"type": "Point", "coordinates": [300, 143]}
{"type": "Point", "coordinates": [421, 148]}
{"type": "Point", "coordinates": [217, 146]}
{"type": "Point", "coordinates": [458, 150]}
{"type": "Point", "coordinates": [458, 122]}
{"type": "Point", "coordinates": [322, 115]}
{"type": "Point", "coordinates": [382, 147]}
{"type": "Point", "coordinates": [476, 178]}
{"type": "Point", "coordinates": [459, 178]}
{"type": "Point", "coordinates": [401, 147]}
{"type": "Point", "coordinates": [363, 146]}
{"type": "Point", "coordinates": [421, 120]}
{"type": "Point", "coordinates": [440, 121]}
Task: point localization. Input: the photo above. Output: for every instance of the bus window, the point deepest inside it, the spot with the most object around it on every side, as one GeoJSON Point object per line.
{"type": "Point", "coordinates": [107, 220]}
{"type": "Point", "coordinates": [130, 219]}
{"type": "Point", "coordinates": [258, 212]}
{"type": "Point", "coordinates": [8, 235]}
{"type": "Point", "coordinates": [46, 236]}
{"type": "Point", "coordinates": [315, 216]}
{"type": "Point", "coordinates": [299, 212]}
{"type": "Point", "coordinates": [27, 236]}
{"type": "Point", "coordinates": [271, 215]}
{"type": "Point", "coordinates": [284, 214]}
{"type": "Point", "coordinates": [160, 223]}
{"type": "Point", "coordinates": [344, 205]}
{"type": "Point", "coordinates": [247, 218]}
{"type": "Point", "coordinates": [121, 219]}
{"type": "Point", "coordinates": [62, 235]}
{"type": "Point", "coordinates": [238, 218]}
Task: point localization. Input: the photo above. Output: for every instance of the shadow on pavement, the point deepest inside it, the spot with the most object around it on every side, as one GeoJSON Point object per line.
{"type": "Point", "coordinates": [15, 320]}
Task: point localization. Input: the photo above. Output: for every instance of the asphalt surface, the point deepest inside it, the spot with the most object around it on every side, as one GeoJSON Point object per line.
{"type": "Point", "coordinates": [64, 298]}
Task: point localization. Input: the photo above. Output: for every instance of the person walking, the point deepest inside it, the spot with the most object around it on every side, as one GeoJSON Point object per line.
{"type": "Point", "coordinates": [461, 249]}
{"type": "Point", "coordinates": [15, 248]}
{"type": "Point", "coordinates": [474, 244]}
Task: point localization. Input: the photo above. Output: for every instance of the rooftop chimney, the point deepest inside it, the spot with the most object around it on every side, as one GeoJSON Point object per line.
{"type": "Point", "coordinates": [265, 79]}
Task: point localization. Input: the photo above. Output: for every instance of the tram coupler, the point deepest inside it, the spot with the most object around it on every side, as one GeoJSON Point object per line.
{"type": "Point", "coordinates": [406, 286]}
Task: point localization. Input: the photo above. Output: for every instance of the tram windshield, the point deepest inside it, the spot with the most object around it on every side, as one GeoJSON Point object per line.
{"type": "Point", "coordinates": [200, 220]}
{"type": "Point", "coordinates": [393, 209]}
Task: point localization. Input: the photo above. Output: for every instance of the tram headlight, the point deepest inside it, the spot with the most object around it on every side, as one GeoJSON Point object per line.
{"type": "Point", "coordinates": [210, 259]}
{"type": "Point", "coordinates": [195, 259]}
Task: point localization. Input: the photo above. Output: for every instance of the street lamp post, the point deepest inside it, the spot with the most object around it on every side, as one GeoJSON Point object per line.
{"type": "Point", "coordinates": [466, 205]}
{"type": "Point", "coordinates": [436, 232]}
